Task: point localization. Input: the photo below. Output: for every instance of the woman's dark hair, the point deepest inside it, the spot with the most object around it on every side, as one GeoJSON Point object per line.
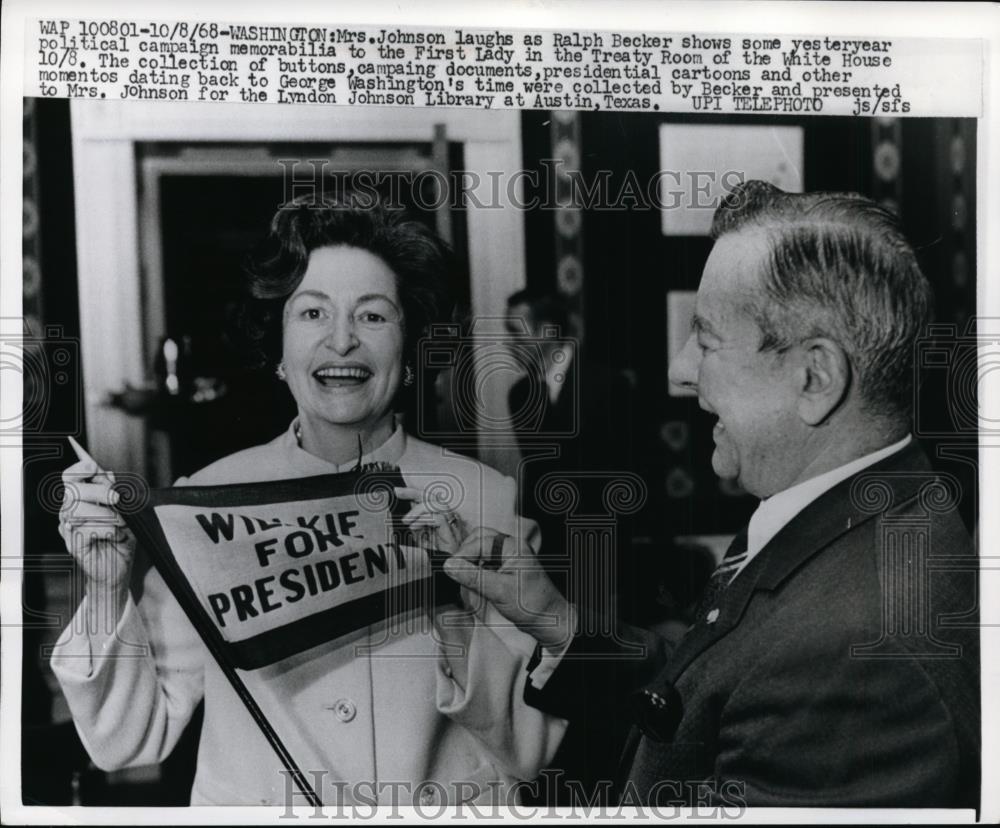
{"type": "Point", "coordinates": [422, 262]}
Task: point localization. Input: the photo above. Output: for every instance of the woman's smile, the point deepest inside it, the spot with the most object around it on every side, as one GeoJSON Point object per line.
{"type": "Point", "coordinates": [342, 376]}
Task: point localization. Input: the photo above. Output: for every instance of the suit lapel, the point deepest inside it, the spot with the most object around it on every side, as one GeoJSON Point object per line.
{"type": "Point", "coordinates": [844, 508]}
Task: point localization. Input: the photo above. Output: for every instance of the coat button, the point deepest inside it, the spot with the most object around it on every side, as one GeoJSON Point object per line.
{"type": "Point", "coordinates": [712, 616]}
{"type": "Point", "coordinates": [344, 709]}
{"type": "Point", "coordinates": [658, 714]}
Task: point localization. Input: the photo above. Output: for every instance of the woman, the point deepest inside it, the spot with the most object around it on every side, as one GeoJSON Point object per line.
{"type": "Point", "coordinates": [403, 711]}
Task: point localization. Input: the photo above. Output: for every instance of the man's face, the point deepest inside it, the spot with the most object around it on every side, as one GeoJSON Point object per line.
{"type": "Point", "coordinates": [753, 393]}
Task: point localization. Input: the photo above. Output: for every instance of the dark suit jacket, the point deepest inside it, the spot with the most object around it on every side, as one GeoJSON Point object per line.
{"type": "Point", "coordinates": [549, 440]}
{"type": "Point", "coordinates": [842, 667]}
{"type": "Point", "coordinates": [541, 427]}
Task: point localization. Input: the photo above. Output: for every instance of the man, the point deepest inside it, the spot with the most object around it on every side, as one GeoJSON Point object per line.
{"type": "Point", "coordinates": [543, 403]}
{"type": "Point", "coordinates": [834, 657]}
{"type": "Point", "coordinates": [544, 321]}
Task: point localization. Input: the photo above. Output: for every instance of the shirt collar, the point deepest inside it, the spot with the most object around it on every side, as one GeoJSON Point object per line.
{"type": "Point", "coordinates": [390, 451]}
{"type": "Point", "coordinates": [557, 372]}
{"type": "Point", "coordinates": [776, 511]}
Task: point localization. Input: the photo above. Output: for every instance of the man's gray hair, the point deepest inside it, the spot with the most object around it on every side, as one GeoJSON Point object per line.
{"type": "Point", "coordinates": [839, 267]}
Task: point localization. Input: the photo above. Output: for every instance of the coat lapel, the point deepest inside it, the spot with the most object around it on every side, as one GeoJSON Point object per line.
{"type": "Point", "coordinates": [848, 505]}
{"type": "Point", "coordinates": [727, 613]}
{"type": "Point", "coordinates": [842, 509]}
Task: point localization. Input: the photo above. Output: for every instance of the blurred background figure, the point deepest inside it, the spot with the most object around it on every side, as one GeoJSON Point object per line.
{"type": "Point", "coordinates": [544, 402]}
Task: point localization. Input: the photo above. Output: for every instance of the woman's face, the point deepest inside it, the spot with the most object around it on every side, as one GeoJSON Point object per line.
{"type": "Point", "coordinates": [343, 339]}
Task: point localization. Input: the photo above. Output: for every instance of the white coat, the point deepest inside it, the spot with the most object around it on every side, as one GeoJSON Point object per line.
{"type": "Point", "coordinates": [368, 718]}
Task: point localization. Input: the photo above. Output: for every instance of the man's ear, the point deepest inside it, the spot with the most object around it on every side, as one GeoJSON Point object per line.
{"type": "Point", "coordinates": [826, 377]}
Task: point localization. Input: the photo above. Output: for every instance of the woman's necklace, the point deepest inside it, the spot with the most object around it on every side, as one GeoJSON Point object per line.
{"type": "Point", "coordinates": [298, 439]}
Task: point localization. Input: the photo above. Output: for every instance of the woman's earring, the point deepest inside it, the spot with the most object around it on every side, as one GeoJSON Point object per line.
{"type": "Point", "coordinates": [408, 375]}
{"type": "Point", "coordinates": [279, 372]}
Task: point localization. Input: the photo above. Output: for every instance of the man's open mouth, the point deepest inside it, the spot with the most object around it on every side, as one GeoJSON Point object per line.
{"type": "Point", "coordinates": [709, 410]}
{"type": "Point", "coordinates": [338, 376]}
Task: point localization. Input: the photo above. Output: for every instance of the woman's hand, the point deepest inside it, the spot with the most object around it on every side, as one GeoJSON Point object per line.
{"type": "Point", "coordinates": [94, 534]}
{"type": "Point", "coordinates": [435, 527]}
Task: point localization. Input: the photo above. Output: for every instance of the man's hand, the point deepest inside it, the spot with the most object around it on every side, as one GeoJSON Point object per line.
{"type": "Point", "coordinates": [516, 584]}
{"type": "Point", "coordinates": [436, 526]}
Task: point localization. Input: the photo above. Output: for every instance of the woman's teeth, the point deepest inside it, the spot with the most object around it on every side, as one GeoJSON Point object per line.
{"type": "Point", "coordinates": [342, 374]}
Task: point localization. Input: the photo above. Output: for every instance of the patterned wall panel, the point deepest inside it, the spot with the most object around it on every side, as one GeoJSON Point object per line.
{"type": "Point", "coordinates": [887, 163]}
{"type": "Point", "coordinates": [31, 242]}
{"type": "Point", "coordinates": [565, 131]}
{"type": "Point", "coordinates": [956, 140]}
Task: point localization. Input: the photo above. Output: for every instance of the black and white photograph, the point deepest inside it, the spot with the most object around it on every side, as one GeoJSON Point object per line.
{"type": "Point", "coordinates": [428, 438]}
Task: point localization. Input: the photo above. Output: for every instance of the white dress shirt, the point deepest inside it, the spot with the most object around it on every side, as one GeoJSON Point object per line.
{"type": "Point", "coordinates": [557, 370]}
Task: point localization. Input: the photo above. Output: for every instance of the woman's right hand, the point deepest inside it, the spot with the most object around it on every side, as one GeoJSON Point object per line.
{"type": "Point", "coordinates": [94, 533]}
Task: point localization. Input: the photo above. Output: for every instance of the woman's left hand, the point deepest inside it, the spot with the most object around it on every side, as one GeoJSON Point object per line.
{"type": "Point", "coordinates": [436, 527]}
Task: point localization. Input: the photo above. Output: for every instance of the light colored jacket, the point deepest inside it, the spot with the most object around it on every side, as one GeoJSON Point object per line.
{"type": "Point", "coordinates": [370, 717]}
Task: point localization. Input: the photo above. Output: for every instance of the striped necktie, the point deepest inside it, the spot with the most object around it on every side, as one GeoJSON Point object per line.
{"type": "Point", "coordinates": [724, 573]}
